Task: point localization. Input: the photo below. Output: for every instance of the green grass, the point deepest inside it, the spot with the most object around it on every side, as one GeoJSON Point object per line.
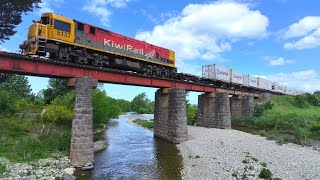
{"type": "Point", "coordinates": [26, 140]}
{"type": "Point", "coordinates": [285, 122]}
{"type": "Point", "coordinates": [3, 168]}
{"type": "Point", "coordinates": [144, 123]}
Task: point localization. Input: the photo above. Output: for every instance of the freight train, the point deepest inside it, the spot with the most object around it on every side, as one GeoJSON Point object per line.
{"type": "Point", "coordinates": [219, 73]}
{"type": "Point", "coordinates": [70, 40]}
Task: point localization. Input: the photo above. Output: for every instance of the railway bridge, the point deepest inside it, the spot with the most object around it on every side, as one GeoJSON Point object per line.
{"type": "Point", "coordinates": [216, 106]}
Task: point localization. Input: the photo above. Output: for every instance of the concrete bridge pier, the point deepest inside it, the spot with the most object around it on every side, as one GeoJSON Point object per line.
{"type": "Point", "coordinates": [265, 96]}
{"type": "Point", "coordinates": [241, 106]}
{"type": "Point", "coordinates": [170, 116]}
{"type": "Point", "coordinates": [236, 107]}
{"type": "Point", "coordinates": [81, 148]}
{"type": "Point", "coordinates": [247, 106]}
{"type": "Point", "coordinates": [206, 110]}
{"type": "Point", "coordinates": [214, 110]}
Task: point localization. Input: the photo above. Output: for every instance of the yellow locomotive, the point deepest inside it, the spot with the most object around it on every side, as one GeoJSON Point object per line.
{"type": "Point", "coordinates": [73, 41]}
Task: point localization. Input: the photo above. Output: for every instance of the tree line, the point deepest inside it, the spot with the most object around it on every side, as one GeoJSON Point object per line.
{"type": "Point", "coordinates": [57, 101]}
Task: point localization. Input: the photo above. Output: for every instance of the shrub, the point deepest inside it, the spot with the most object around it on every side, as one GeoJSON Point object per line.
{"type": "Point", "coordinates": [3, 168]}
{"type": "Point", "coordinates": [260, 109]}
{"type": "Point", "coordinates": [300, 101]}
{"type": "Point", "coordinates": [192, 114]}
{"type": "Point", "coordinates": [144, 123]}
{"type": "Point", "coordinates": [7, 100]}
{"type": "Point", "coordinates": [265, 174]}
{"type": "Point", "coordinates": [67, 100]}
{"type": "Point", "coordinates": [23, 105]}
{"type": "Point", "coordinates": [301, 134]}
{"type": "Point", "coordinates": [58, 115]}
{"type": "Point", "coordinates": [313, 100]}
{"type": "Point", "coordinates": [103, 108]}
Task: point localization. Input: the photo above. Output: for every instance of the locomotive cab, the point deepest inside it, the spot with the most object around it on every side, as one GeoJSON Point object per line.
{"type": "Point", "coordinates": [44, 34]}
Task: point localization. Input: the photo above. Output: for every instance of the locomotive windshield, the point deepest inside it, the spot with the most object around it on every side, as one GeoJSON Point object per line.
{"type": "Point", "coordinates": [44, 20]}
{"type": "Point", "coordinates": [62, 26]}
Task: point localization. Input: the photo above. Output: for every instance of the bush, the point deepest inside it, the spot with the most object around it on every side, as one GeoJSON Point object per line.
{"type": "Point", "coordinates": [7, 101]}
{"type": "Point", "coordinates": [300, 101]}
{"type": "Point", "coordinates": [265, 174]}
{"type": "Point", "coordinates": [260, 109]}
{"type": "Point", "coordinates": [103, 108]}
{"type": "Point", "coordinates": [58, 115]}
{"type": "Point", "coordinates": [314, 127]}
{"type": "Point", "coordinates": [313, 100]}
{"type": "Point", "coordinates": [301, 134]}
{"type": "Point", "coordinates": [67, 100]}
{"type": "Point", "coordinates": [3, 168]}
{"type": "Point", "coordinates": [144, 123]}
{"type": "Point", "coordinates": [23, 105]}
{"type": "Point", "coordinates": [192, 114]}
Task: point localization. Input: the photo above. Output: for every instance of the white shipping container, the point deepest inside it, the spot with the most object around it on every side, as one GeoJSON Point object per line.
{"type": "Point", "coordinates": [246, 80]}
{"type": "Point", "coordinates": [279, 88]}
{"type": "Point", "coordinates": [216, 72]}
{"type": "Point", "coordinates": [289, 91]}
{"type": "Point", "coordinates": [222, 73]}
{"type": "Point", "coordinates": [264, 84]}
{"type": "Point", "coordinates": [295, 92]}
{"type": "Point", "coordinates": [250, 81]}
{"type": "Point", "coordinates": [206, 73]}
{"type": "Point", "coordinates": [236, 77]}
{"type": "Point", "coordinates": [253, 81]}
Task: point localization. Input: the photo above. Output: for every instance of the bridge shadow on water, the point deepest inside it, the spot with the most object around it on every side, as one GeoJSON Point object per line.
{"type": "Point", "coordinates": [133, 152]}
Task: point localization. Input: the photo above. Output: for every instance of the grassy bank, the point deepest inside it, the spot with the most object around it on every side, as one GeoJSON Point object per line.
{"type": "Point", "coordinates": [24, 140]}
{"type": "Point", "coordinates": [283, 120]}
{"type": "Point", "coordinates": [144, 123]}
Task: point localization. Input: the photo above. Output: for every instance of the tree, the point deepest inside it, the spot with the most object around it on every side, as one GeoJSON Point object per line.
{"type": "Point", "coordinates": [141, 104]}
{"type": "Point", "coordinates": [57, 87]}
{"type": "Point", "coordinates": [16, 84]}
{"type": "Point", "coordinates": [3, 77]}
{"type": "Point", "coordinates": [10, 15]}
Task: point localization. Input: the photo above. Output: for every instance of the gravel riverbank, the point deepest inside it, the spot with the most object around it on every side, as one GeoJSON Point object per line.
{"type": "Point", "coordinates": [230, 154]}
{"type": "Point", "coordinates": [42, 169]}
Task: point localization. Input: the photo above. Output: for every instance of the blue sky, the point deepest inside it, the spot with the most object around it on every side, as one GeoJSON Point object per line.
{"type": "Point", "coordinates": [276, 39]}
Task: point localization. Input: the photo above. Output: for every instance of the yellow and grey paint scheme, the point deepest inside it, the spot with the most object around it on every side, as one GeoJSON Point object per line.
{"type": "Point", "coordinates": [41, 31]}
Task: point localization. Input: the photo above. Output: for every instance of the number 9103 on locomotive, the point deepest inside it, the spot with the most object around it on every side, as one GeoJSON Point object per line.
{"type": "Point", "coordinates": [73, 41]}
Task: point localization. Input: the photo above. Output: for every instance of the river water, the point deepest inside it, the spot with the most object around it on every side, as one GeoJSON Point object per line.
{"type": "Point", "coordinates": [133, 152]}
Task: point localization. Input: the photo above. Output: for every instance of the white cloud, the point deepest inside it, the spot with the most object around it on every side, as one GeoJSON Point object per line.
{"type": "Point", "coordinates": [204, 31]}
{"type": "Point", "coordinates": [46, 6]}
{"type": "Point", "coordinates": [278, 61]}
{"type": "Point", "coordinates": [304, 34]}
{"type": "Point", "coordinates": [3, 48]}
{"type": "Point", "coordinates": [102, 8]}
{"type": "Point", "coordinates": [308, 80]}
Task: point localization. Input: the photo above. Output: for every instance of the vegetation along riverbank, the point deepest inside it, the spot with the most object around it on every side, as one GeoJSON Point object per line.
{"type": "Point", "coordinates": [35, 127]}
{"type": "Point", "coordinates": [285, 119]}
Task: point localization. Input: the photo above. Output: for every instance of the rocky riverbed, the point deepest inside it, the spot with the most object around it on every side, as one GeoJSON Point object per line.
{"type": "Point", "coordinates": [52, 168]}
{"type": "Point", "coordinates": [43, 169]}
{"type": "Point", "coordinates": [230, 154]}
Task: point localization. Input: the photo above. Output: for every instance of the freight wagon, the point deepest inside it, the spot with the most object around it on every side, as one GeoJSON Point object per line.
{"type": "Point", "coordinates": [234, 78]}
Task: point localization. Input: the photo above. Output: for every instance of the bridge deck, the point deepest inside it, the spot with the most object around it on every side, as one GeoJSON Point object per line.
{"type": "Point", "coordinates": [19, 64]}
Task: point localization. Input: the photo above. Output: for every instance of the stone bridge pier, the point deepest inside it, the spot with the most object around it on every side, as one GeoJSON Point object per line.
{"type": "Point", "coordinates": [81, 148]}
{"type": "Point", "coordinates": [241, 106]}
{"type": "Point", "coordinates": [170, 116]}
{"type": "Point", "coordinates": [214, 110]}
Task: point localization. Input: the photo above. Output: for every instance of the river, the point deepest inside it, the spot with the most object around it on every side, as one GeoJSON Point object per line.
{"type": "Point", "coordinates": [133, 152]}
